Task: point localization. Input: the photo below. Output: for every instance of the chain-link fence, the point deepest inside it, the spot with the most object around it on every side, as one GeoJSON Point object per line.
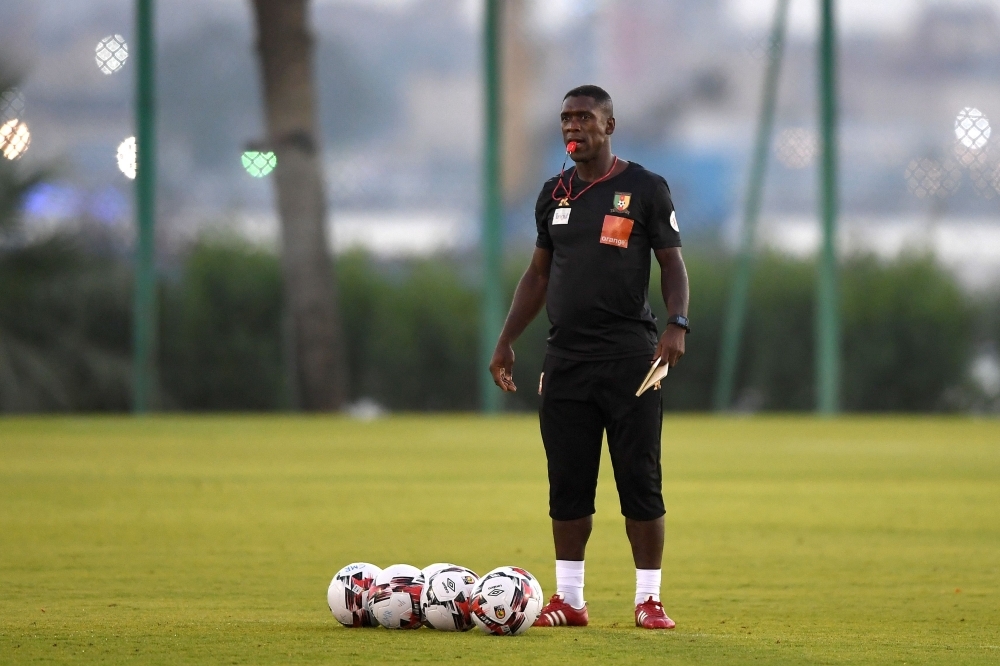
{"type": "Point", "coordinates": [398, 89]}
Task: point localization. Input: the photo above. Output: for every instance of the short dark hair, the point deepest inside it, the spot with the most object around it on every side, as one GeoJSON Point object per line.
{"type": "Point", "coordinates": [596, 93]}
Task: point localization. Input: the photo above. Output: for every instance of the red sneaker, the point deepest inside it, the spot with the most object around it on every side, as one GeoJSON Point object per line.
{"type": "Point", "coordinates": [558, 613]}
{"type": "Point", "coordinates": [649, 615]}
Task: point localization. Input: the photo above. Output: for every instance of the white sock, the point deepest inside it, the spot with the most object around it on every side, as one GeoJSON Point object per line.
{"type": "Point", "coordinates": [647, 584]}
{"type": "Point", "coordinates": [569, 582]}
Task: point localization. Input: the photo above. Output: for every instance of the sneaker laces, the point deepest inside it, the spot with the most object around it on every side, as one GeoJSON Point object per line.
{"type": "Point", "coordinates": [656, 604]}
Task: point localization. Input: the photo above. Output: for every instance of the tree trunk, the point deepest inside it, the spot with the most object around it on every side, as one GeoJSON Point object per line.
{"type": "Point", "coordinates": [285, 49]}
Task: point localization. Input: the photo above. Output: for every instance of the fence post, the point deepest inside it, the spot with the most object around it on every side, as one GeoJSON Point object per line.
{"type": "Point", "coordinates": [732, 332]}
{"type": "Point", "coordinates": [827, 306]}
{"type": "Point", "coordinates": [491, 244]}
{"type": "Point", "coordinates": [144, 304]}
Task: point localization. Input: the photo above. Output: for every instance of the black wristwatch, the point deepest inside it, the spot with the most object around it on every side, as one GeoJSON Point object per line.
{"type": "Point", "coordinates": [680, 320]}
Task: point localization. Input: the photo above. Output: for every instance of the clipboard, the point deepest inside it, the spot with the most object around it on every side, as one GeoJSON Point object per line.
{"type": "Point", "coordinates": [653, 377]}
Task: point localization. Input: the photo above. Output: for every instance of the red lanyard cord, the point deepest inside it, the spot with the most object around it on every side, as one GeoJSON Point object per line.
{"type": "Point", "coordinates": [568, 191]}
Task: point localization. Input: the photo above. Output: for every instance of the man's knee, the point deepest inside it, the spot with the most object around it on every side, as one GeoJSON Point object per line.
{"type": "Point", "coordinates": [641, 498]}
{"type": "Point", "coordinates": [570, 504]}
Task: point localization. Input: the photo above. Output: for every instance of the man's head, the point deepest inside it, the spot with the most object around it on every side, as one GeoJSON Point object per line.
{"type": "Point", "coordinates": [587, 117]}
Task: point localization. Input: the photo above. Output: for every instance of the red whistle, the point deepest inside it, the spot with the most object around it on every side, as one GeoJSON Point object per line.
{"type": "Point", "coordinates": [571, 147]}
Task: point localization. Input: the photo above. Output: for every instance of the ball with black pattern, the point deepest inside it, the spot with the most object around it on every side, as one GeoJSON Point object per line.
{"type": "Point", "coordinates": [446, 598]}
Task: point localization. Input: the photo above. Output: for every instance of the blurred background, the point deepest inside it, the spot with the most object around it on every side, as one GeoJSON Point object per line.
{"type": "Point", "coordinates": [400, 111]}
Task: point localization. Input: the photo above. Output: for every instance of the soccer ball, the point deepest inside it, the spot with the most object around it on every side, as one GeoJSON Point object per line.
{"type": "Point", "coordinates": [506, 601]}
{"type": "Point", "coordinates": [394, 599]}
{"type": "Point", "coordinates": [445, 599]}
{"type": "Point", "coordinates": [347, 595]}
{"type": "Point", "coordinates": [432, 569]}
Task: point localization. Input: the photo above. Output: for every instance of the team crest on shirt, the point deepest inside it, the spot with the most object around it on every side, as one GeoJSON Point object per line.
{"type": "Point", "coordinates": [673, 221]}
{"type": "Point", "coordinates": [622, 200]}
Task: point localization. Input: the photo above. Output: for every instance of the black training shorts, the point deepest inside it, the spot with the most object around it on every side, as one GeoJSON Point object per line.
{"type": "Point", "coordinates": [581, 400]}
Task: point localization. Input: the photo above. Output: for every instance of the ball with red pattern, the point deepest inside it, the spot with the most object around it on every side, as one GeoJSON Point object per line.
{"type": "Point", "coordinates": [394, 599]}
{"type": "Point", "coordinates": [506, 601]}
{"type": "Point", "coordinates": [347, 595]}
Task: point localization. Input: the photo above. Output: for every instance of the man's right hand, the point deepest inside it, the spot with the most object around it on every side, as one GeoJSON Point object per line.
{"type": "Point", "coordinates": [529, 298]}
{"type": "Point", "coordinates": [502, 366]}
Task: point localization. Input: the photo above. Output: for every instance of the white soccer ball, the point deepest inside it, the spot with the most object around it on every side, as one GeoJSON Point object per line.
{"type": "Point", "coordinates": [394, 599]}
{"type": "Point", "coordinates": [432, 569]}
{"type": "Point", "coordinates": [506, 601]}
{"type": "Point", "coordinates": [347, 595]}
{"type": "Point", "coordinates": [445, 599]}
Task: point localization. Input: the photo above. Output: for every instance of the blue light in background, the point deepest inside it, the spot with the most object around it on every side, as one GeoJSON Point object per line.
{"type": "Point", "coordinates": [53, 201]}
{"type": "Point", "coordinates": [108, 206]}
{"type": "Point", "coordinates": [60, 202]}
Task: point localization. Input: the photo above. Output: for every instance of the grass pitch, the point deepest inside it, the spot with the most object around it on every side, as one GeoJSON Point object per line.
{"type": "Point", "coordinates": [212, 540]}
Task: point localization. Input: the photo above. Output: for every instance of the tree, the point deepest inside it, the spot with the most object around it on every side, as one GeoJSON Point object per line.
{"type": "Point", "coordinates": [285, 48]}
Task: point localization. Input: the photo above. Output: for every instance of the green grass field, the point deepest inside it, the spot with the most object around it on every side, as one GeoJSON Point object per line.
{"type": "Point", "coordinates": [212, 539]}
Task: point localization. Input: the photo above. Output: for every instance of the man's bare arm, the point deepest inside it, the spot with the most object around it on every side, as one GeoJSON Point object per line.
{"type": "Point", "coordinates": [529, 297]}
{"type": "Point", "coordinates": [674, 285]}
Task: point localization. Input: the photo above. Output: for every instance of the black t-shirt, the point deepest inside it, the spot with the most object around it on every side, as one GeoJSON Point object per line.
{"type": "Point", "coordinates": [597, 298]}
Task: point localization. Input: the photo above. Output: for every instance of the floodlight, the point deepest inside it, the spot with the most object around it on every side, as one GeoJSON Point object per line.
{"type": "Point", "coordinates": [258, 164]}
{"type": "Point", "coordinates": [111, 54]}
{"type": "Point", "coordinates": [14, 139]}
{"type": "Point", "coordinates": [972, 128]}
{"type": "Point", "coordinates": [126, 157]}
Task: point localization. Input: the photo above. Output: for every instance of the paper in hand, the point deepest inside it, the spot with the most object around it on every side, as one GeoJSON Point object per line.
{"type": "Point", "coordinates": [653, 377]}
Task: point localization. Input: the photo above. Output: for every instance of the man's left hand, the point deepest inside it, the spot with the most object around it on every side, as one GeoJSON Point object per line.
{"type": "Point", "coordinates": [671, 345]}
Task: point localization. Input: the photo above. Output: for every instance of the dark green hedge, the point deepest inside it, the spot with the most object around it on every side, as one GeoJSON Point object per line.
{"type": "Point", "coordinates": [907, 337]}
{"type": "Point", "coordinates": [64, 330]}
{"type": "Point", "coordinates": [220, 342]}
{"type": "Point", "coordinates": [411, 332]}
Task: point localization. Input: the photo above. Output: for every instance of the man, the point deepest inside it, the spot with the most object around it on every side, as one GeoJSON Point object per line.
{"type": "Point", "coordinates": [596, 227]}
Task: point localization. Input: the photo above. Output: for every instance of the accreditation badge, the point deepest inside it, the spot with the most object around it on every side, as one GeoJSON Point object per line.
{"type": "Point", "coordinates": [561, 216]}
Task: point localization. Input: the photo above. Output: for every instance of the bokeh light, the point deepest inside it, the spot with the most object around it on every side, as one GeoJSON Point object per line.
{"type": "Point", "coordinates": [111, 54]}
{"type": "Point", "coordinates": [259, 164]}
{"type": "Point", "coordinates": [11, 105]}
{"type": "Point", "coordinates": [983, 168]}
{"type": "Point", "coordinates": [796, 147]}
{"type": "Point", "coordinates": [14, 139]}
{"type": "Point", "coordinates": [126, 157]}
{"type": "Point", "coordinates": [926, 177]}
{"type": "Point", "coordinates": [53, 201]}
{"type": "Point", "coordinates": [972, 128]}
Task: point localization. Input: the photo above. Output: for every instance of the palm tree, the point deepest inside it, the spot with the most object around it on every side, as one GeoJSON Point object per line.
{"type": "Point", "coordinates": [286, 57]}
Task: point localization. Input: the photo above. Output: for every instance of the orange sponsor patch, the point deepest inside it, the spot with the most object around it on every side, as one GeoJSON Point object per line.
{"type": "Point", "coordinates": [616, 231]}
